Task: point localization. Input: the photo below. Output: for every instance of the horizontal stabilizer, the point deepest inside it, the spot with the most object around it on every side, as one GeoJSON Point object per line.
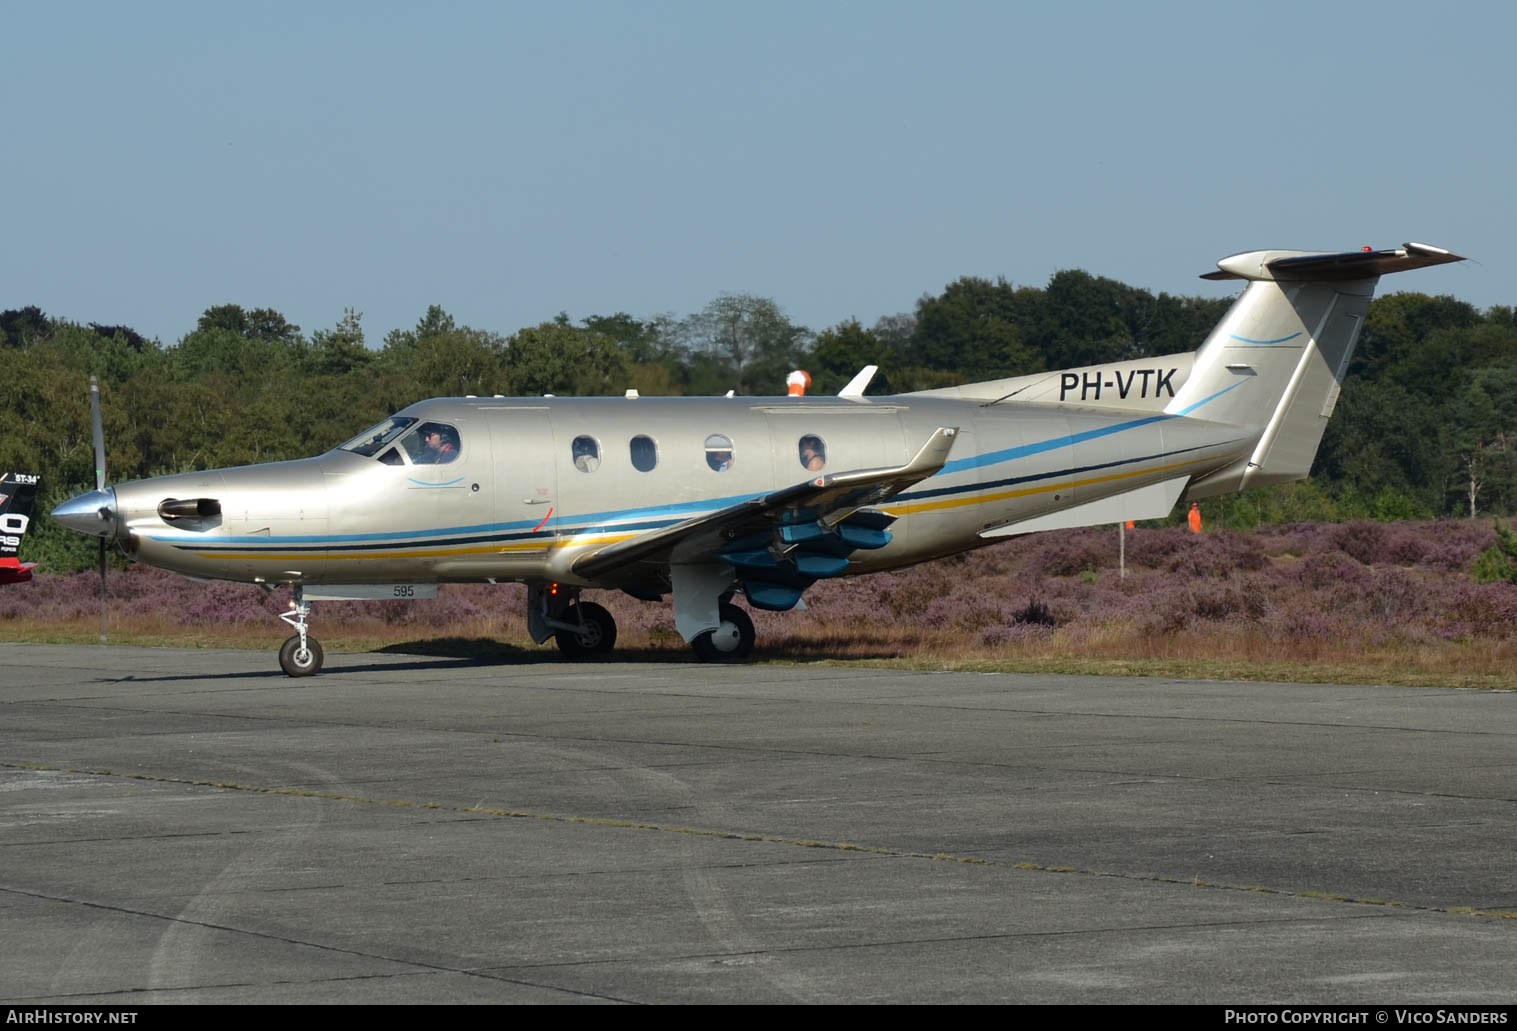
{"type": "Point", "coordinates": [1328, 266]}
{"type": "Point", "coordinates": [1152, 502]}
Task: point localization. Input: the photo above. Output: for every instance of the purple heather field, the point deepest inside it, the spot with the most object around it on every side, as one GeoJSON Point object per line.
{"type": "Point", "coordinates": [1301, 590]}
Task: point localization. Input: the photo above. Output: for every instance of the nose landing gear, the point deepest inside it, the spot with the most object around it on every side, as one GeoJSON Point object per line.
{"type": "Point", "coordinates": [301, 655]}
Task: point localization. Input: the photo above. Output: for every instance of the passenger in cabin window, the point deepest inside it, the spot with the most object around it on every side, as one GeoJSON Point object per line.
{"type": "Point", "coordinates": [586, 454]}
{"type": "Point", "coordinates": [719, 452]}
{"type": "Point", "coordinates": [813, 453]}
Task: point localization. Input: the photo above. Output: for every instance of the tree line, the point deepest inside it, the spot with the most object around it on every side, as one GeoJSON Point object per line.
{"type": "Point", "coordinates": [1424, 427]}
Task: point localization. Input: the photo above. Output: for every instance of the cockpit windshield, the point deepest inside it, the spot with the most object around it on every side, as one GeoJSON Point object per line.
{"type": "Point", "coordinates": [370, 441]}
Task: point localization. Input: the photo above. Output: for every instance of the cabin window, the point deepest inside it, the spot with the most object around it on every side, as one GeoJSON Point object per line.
{"type": "Point", "coordinates": [586, 452]}
{"type": "Point", "coordinates": [813, 452]}
{"type": "Point", "coordinates": [370, 441]}
{"type": "Point", "coordinates": [719, 452]}
{"type": "Point", "coordinates": [432, 443]}
{"type": "Point", "coordinates": [644, 453]}
{"type": "Point", "coordinates": [392, 457]}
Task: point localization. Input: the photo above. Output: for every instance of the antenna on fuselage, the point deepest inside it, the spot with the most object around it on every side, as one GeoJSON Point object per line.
{"type": "Point", "coordinates": [855, 387]}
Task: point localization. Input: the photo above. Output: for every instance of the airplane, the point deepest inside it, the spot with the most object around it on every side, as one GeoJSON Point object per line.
{"type": "Point", "coordinates": [705, 498]}
{"type": "Point", "coordinates": [18, 493]}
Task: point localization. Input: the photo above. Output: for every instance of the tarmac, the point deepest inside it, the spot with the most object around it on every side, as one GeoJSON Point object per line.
{"type": "Point", "coordinates": [191, 826]}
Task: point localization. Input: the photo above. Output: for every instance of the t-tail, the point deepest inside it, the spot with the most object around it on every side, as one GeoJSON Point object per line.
{"type": "Point", "coordinates": [18, 493]}
{"type": "Point", "coordinates": [1276, 361]}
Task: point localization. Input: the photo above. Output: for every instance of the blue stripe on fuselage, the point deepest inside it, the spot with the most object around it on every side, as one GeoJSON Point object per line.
{"type": "Point", "coordinates": [615, 520]}
{"type": "Point", "coordinates": [1013, 453]}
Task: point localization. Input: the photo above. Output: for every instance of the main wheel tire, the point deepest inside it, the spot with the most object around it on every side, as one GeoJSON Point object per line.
{"type": "Point", "coordinates": [598, 636]}
{"type": "Point", "coordinates": [730, 642]}
{"type": "Point", "coordinates": [297, 663]}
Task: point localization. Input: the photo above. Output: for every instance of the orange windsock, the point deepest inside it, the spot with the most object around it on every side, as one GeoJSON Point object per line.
{"type": "Point", "coordinates": [797, 382]}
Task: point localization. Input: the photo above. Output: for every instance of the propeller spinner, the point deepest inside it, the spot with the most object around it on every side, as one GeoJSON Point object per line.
{"type": "Point", "coordinates": [93, 513]}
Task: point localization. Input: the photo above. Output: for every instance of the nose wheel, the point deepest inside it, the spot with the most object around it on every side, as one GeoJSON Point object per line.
{"type": "Point", "coordinates": [300, 658]}
{"type": "Point", "coordinates": [301, 655]}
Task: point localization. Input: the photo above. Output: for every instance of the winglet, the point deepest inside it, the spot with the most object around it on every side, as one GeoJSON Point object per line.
{"type": "Point", "coordinates": [855, 387]}
{"type": "Point", "coordinates": [928, 460]}
{"type": "Point", "coordinates": [885, 483]}
{"type": "Point", "coordinates": [934, 454]}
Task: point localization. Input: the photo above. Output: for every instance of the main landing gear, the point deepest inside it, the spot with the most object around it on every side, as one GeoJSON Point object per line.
{"type": "Point", "coordinates": [590, 631]}
{"type": "Point", "coordinates": [581, 629]}
{"type": "Point", "coordinates": [301, 655]}
{"type": "Point", "coordinates": [585, 630]}
{"type": "Point", "coordinates": [731, 641]}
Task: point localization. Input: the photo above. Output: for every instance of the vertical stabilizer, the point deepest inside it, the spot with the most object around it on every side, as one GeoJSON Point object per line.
{"type": "Point", "coordinates": [18, 494]}
{"type": "Point", "coordinates": [1276, 362]}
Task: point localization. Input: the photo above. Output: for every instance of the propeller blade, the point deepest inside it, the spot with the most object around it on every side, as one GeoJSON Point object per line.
{"type": "Point", "coordinates": [99, 445]}
{"type": "Point", "coordinates": [99, 433]}
{"type": "Point", "coordinates": [102, 590]}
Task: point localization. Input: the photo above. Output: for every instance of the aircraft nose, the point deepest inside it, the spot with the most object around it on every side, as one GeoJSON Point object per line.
{"type": "Point", "coordinates": [93, 513]}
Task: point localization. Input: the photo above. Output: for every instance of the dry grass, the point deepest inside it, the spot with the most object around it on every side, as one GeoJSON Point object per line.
{"type": "Point", "coordinates": [1196, 654]}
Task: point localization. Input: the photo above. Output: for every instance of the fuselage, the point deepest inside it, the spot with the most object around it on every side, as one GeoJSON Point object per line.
{"type": "Point", "coordinates": [529, 484]}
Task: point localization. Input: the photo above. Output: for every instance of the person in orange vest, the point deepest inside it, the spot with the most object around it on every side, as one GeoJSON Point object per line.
{"type": "Point", "coordinates": [1195, 517]}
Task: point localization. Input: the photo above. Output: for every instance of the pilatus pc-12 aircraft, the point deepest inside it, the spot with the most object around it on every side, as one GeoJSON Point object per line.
{"type": "Point", "coordinates": [706, 498]}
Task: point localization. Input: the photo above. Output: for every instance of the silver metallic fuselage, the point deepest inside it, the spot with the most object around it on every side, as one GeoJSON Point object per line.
{"type": "Point", "coordinates": [513, 505]}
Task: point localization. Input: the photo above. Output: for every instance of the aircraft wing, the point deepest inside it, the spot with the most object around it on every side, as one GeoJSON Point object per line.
{"type": "Point", "coordinates": [786, 539]}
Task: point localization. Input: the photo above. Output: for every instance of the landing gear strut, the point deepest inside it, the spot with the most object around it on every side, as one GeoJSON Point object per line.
{"type": "Point", "coordinates": [301, 655]}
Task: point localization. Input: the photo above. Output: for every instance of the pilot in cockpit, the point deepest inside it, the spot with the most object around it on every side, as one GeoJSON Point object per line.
{"type": "Point", "coordinates": [438, 447]}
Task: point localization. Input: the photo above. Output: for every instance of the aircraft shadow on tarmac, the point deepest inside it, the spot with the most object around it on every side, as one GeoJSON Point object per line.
{"type": "Point", "coordinates": [472, 653]}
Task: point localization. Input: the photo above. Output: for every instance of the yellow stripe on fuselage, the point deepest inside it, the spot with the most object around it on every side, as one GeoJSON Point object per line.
{"type": "Point", "coordinates": [524, 546]}
{"type": "Point", "coordinates": [603, 539]}
{"type": "Point", "coordinates": [933, 506]}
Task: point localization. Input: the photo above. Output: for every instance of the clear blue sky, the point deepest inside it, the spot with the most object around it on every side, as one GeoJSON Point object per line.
{"type": "Point", "coordinates": [511, 160]}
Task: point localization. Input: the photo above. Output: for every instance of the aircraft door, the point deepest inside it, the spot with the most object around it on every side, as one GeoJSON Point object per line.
{"type": "Point", "coordinates": [526, 478]}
